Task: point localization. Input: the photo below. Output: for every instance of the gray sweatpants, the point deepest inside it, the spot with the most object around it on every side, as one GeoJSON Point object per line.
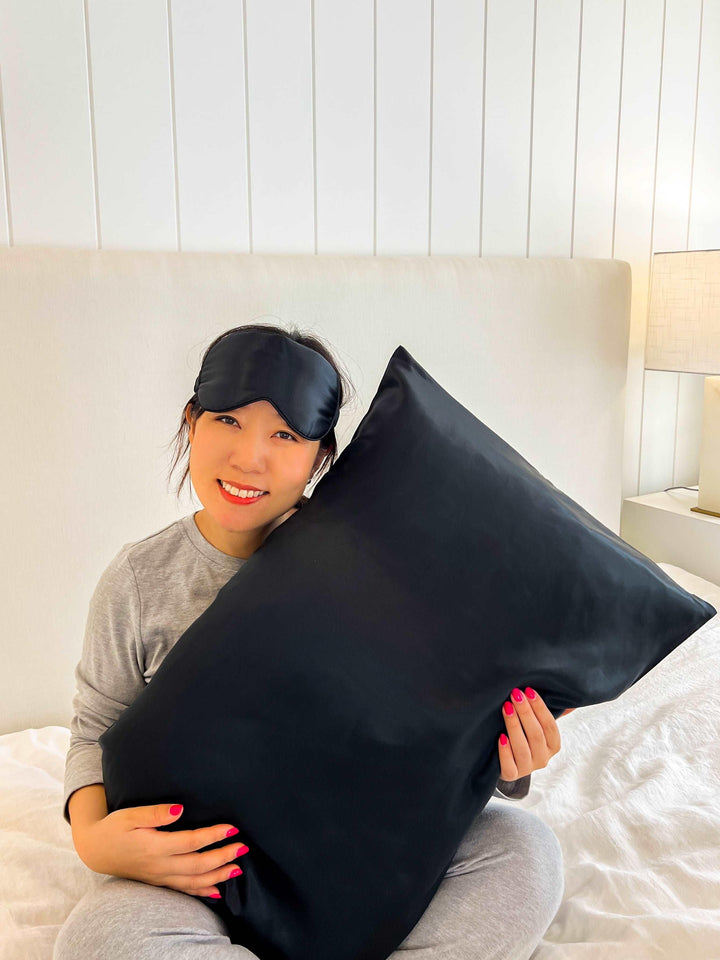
{"type": "Point", "coordinates": [495, 902]}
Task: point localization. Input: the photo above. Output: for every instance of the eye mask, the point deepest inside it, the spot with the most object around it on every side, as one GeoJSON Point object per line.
{"type": "Point", "coordinates": [249, 365]}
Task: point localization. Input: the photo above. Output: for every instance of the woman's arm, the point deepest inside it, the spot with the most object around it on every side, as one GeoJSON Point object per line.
{"type": "Point", "coordinates": [85, 807]}
{"type": "Point", "coordinates": [109, 675]}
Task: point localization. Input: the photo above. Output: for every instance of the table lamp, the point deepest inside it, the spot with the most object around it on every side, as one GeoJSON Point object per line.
{"type": "Point", "coordinates": [684, 335]}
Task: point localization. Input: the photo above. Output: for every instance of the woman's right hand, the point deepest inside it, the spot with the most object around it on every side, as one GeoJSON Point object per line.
{"type": "Point", "coordinates": [127, 843]}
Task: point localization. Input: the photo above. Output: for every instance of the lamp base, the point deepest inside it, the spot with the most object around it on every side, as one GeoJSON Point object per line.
{"type": "Point", "coordinates": [712, 513]}
{"type": "Point", "coordinates": [708, 500]}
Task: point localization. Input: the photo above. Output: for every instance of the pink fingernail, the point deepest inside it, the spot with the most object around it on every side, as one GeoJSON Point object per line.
{"type": "Point", "coordinates": [232, 831]}
{"type": "Point", "coordinates": [529, 693]}
{"type": "Point", "coordinates": [215, 896]}
{"type": "Point", "coordinates": [236, 872]}
{"type": "Point", "coordinates": [503, 739]}
{"type": "Point", "coordinates": [517, 695]}
{"type": "Point", "coordinates": [508, 708]}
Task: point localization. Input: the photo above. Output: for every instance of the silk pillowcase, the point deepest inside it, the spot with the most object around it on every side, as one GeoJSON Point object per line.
{"type": "Point", "coordinates": [339, 701]}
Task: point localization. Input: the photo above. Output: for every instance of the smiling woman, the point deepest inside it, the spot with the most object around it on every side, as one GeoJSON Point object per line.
{"type": "Point", "coordinates": [267, 428]}
{"type": "Point", "coordinates": [273, 446]}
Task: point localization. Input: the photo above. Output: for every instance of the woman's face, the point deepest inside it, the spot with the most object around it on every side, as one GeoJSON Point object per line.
{"type": "Point", "coordinates": [250, 446]}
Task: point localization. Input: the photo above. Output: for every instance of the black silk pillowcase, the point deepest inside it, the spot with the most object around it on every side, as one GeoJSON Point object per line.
{"type": "Point", "coordinates": [339, 701]}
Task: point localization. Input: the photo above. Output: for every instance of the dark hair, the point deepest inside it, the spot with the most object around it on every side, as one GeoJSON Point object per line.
{"type": "Point", "coordinates": [328, 442]}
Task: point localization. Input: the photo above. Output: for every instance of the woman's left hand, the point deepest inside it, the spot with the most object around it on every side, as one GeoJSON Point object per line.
{"type": "Point", "coordinates": [532, 735]}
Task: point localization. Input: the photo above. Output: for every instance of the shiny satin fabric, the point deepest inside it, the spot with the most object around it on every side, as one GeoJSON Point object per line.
{"type": "Point", "coordinates": [249, 365]}
{"type": "Point", "coordinates": [340, 699]}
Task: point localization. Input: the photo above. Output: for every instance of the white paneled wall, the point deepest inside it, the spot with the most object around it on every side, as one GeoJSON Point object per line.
{"type": "Point", "coordinates": [47, 123]}
{"type": "Point", "coordinates": [489, 127]}
{"type": "Point", "coordinates": [130, 77]}
{"type": "Point", "coordinates": [554, 133]}
{"type": "Point", "coordinates": [208, 75]}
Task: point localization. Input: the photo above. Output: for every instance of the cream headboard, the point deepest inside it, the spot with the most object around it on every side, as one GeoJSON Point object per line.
{"type": "Point", "coordinates": [101, 350]}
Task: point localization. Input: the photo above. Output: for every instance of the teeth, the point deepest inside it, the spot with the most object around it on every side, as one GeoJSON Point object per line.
{"type": "Point", "coordinates": [241, 493]}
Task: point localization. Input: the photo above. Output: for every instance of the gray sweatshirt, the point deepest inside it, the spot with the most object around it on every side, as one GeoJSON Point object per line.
{"type": "Point", "coordinates": [145, 600]}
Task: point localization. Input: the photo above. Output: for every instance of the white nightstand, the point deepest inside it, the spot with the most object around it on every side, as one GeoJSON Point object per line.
{"type": "Point", "coordinates": [662, 526]}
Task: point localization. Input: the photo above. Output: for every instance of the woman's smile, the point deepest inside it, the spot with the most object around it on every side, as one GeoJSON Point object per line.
{"type": "Point", "coordinates": [240, 501]}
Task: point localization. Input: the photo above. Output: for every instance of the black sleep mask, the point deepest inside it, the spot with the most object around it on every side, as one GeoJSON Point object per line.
{"type": "Point", "coordinates": [249, 365]}
{"type": "Point", "coordinates": [340, 699]}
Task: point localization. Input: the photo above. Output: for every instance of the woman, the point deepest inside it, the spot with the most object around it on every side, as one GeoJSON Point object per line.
{"type": "Point", "coordinates": [272, 401]}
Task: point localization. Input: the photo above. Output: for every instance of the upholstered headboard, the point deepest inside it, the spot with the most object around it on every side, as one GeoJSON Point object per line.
{"type": "Point", "coordinates": [100, 353]}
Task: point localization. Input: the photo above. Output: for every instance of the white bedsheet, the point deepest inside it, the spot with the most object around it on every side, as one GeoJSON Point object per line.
{"type": "Point", "coordinates": [633, 796]}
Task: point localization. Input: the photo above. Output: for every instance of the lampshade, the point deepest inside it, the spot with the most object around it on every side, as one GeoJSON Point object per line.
{"type": "Point", "coordinates": [684, 320]}
{"type": "Point", "coordinates": [684, 335]}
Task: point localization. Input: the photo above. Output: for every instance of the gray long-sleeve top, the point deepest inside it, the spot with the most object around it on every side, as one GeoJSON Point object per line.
{"type": "Point", "coordinates": [145, 600]}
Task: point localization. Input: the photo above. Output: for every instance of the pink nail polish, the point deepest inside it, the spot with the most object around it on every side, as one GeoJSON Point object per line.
{"type": "Point", "coordinates": [503, 739]}
{"type": "Point", "coordinates": [241, 850]}
{"type": "Point", "coordinates": [529, 693]}
{"type": "Point", "coordinates": [236, 872]}
{"type": "Point", "coordinates": [508, 708]}
{"type": "Point", "coordinates": [215, 896]}
{"type": "Point", "coordinates": [517, 695]}
{"type": "Point", "coordinates": [232, 831]}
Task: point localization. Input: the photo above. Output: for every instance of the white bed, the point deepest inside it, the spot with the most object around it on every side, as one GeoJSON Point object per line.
{"type": "Point", "coordinates": [538, 350]}
{"type": "Point", "coordinates": [636, 813]}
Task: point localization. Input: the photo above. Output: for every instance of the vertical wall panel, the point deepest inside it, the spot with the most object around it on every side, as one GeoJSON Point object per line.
{"type": "Point", "coordinates": [634, 201]}
{"type": "Point", "coordinates": [344, 125]}
{"type": "Point", "coordinates": [133, 123]}
{"type": "Point", "coordinates": [677, 123]}
{"type": "Point", "coordinates": [705, 200]}
{"type": "Point", "coordinates": [508, 94]}
{"type": "Point", "coordinates": [670, 226]}
{"type": "Point", "coordinates": [659, 413]}
{"type": "Point", "coordinates": [659, 431]}
{"type": "Point", "coordinates": [209, 84]}
{"type": "Point", "coordinates": [457, 127]}
{"type": "Point", "coordinates": [598, 116]}
{"type": "Point", "coordinates": [280, 105]}
{"type": "Point", "coordinates": [4, 209]}
{"type": "Point", "coordinates": [554, 127]}
{"type": "Point", "coordinates": [47, 122]}
{"type": "Point", "coordinates": [403, 127]}
{"type": "Point", "coordinates": [638, 133]}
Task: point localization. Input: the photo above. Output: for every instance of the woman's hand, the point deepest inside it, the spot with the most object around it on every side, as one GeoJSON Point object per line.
{"type": "Point", "coordinates": [532, 735]}
{"type": "Point", "coordinates": [127, 843]}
